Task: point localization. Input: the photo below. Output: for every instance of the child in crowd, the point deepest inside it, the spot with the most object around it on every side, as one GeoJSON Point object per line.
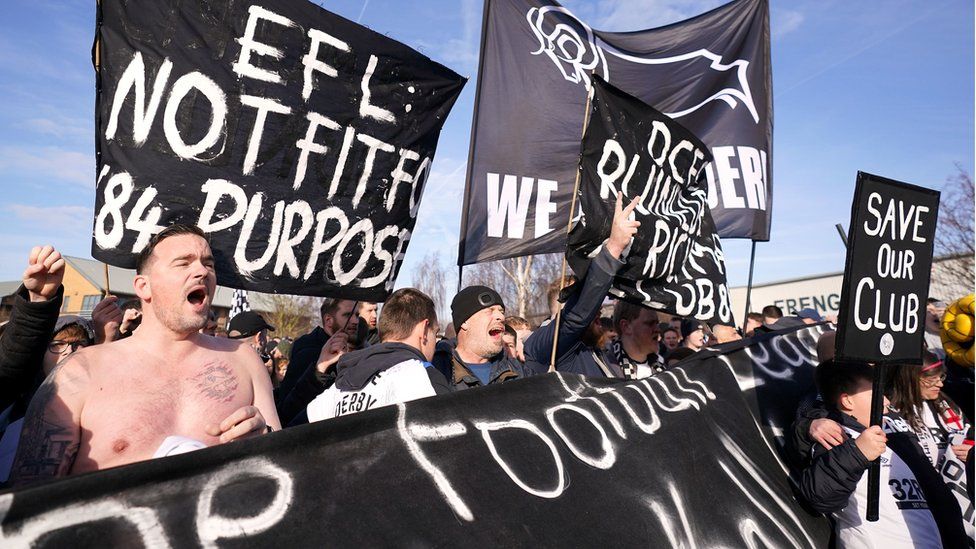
{"type": "Point", "coordinates": [916, 508]}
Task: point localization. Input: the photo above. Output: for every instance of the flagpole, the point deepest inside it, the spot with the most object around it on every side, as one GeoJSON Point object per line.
{"type": "Point", "coordinates": [569, 227]}
{"type": "Point", "coordinates": [473, 139]}
{"type": "Point", "coordinates": [752, 263]}
{"type": "Point", "coordinates": [108, 290]}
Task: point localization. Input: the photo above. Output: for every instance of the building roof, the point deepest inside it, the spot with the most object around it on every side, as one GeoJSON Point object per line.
{"type": "Point", "coordinates": [121, 284]}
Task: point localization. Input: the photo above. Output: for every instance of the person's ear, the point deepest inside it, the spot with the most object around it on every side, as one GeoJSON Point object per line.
{"type": "Point", "coordinates": [142, 287]}
{"type": "Point", "coordinates": [846, 402]}
{"type": "Point", "coordinates": [426, 331]}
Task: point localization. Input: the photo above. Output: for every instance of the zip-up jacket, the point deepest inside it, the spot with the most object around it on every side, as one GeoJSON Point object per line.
{"type": "Point", "coordinates": [915, 507]}
{"type": "Point", "coordinates": [24, 342]}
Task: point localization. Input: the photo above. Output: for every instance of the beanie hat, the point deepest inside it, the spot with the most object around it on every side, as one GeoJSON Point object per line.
{"type": "Point", "coordinates": [689, 326]}
{"type": "Point", "coordinates": [471, 300]}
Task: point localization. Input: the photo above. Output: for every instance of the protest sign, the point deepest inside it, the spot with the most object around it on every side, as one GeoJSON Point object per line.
{"type": "Point", "coordinates": [886, 277]}
{"type": "Point", "coordinates": [548, 461]}
{"type": "Point", "coordinates": [711, 73]}
{"type": "Point", "coordinates": [674, 263]}
{"type": "Point", "coordinates": [298, 140]}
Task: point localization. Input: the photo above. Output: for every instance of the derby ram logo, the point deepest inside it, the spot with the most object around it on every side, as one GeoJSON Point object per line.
{"type": "Point", "coordinates": [577, 51]}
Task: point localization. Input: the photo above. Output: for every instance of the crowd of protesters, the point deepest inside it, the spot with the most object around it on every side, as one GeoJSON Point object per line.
{"type": "Point", "coordinates": [184, 383]}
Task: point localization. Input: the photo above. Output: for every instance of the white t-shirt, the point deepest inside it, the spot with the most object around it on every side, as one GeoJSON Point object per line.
{"type": "Point", "coordinates": [403, 382]}
{"type": "Point", "coordinates": [904, 519]}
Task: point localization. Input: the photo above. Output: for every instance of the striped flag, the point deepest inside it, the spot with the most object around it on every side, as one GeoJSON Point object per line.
{"type": "Point", "coordinates": [238, 305]}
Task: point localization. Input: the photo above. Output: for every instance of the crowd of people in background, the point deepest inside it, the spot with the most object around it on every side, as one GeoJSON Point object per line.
{"type": "Point", "coordinates": [156, 376]}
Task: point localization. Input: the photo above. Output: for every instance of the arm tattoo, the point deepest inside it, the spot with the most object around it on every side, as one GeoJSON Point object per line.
{"type": "Point", "coordinates": [217, 382]}
{"type": "Point", "coordinates": [48, 446]}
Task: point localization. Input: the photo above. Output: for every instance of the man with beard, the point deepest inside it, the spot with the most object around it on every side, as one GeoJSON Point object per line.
{"type": "Point", "coordinates": [578, 350]}
{"type": "Point", "coordinates": [164, 390]}
{"type": "Point", "coordinates": [479, 357]}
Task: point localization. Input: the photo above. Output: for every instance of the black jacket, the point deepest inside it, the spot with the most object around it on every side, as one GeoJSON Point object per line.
{"type": "Point", "coordinates": [459, 377]}
{"type": "Point", "coordinates": [304, 354]}
{"type": "Point", "coordinates": [829, 481]}
{"type": "Point", "coordinates": [24, 342]}
{"type": "Point", "coordinates": [572, 355]}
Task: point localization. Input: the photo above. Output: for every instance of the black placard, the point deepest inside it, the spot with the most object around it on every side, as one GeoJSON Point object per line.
{"type": "Point", "coordinates": [886, 279]}
{"type": "Point", "coordinates": [299, 140]}
{"type": "Point", "coordinates": [675, 262]}
{"type": "Point", "coordinates": [711, 73]}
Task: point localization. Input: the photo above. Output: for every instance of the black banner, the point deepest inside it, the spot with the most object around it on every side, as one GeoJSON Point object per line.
{"type": "Point", "coordinates": [552, 461]}
{"type": "Point", "coordinates": [886, 278]}
{"type": "Point", "coordinates": [711, 73]}
{"type": "Point", "coordinates": [299, 140]}
{"type": "Point", "coordinates": [675, 262]}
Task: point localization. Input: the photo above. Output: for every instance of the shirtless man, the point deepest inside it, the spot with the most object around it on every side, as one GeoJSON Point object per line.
{"type": "Point", "coordinates": [121, 402]}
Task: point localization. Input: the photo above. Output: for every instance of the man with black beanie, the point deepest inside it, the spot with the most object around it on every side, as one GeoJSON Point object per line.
{"type": "Point", "coordinates": [478, 313]}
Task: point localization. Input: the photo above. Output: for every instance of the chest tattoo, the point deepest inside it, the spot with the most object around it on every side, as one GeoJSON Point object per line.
{"type": "Point", "coordinates": [217, 382]}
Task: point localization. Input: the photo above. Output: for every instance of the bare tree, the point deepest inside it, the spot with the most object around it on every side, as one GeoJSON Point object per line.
{"type": "Point", "coordinates": [522, 282]}
{"type": "Point", "coordinates": [954, 236]}
{"type": "Point", "coordinates": [291, 315]}
{"type": "Point", "coordinates": [433, 278]}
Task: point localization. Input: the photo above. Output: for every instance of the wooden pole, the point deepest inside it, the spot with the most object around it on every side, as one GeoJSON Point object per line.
{"type": "Point", "coordinates": [752, 263]}
{"type": "Point", "coordinates": [569, 227]}
{"type": "Point", "coordinates": [108, 289]}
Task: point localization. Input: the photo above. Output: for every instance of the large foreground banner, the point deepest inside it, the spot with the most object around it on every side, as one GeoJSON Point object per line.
{"type": "Point", "coordinates": [710, 73]}
{"type": "Point", "coordinates": [298, 140]}
{"type": "Point", "coordinates": [677, 459]}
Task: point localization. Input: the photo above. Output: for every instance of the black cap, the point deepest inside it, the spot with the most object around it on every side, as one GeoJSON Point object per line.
{"type": "Point", "coordinates": [471, 300]}
{"type": "Point", "coordinates": [689, 326]}
{"type": "Point", "coordinates": [247, 324]}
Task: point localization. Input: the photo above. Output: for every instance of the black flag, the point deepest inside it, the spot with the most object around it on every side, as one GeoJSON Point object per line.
{"type": "Point", "coordinates": [298, 140]}
{"type": "Point", "coordinates": [711, 73]}
{"type": "Point", "coordinates": [675, 262]}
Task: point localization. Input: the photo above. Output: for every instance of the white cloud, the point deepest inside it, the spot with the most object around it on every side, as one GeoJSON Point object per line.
{"type": "Point", "coordinates": [55, 219]}
{"type": "Point", "coordinates": [460, 52]}
{"type": "Point", "coordinates": [59, 127]}
{"type": "Point", "coordinates": [784, 22]}
{"type": "Point", "coordinates": [632, 15]}
{"type": "Point", "coordinates": [56, 163]}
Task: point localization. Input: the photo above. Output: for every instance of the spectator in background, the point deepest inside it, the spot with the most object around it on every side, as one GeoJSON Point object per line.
{"type": "Point", "coordinates": [753, 321]}
{"type": "Point", "coordinates": [724, 334]}
{"type": "Point", "coordinates": [337, 316]}
{"type": "Point", "coordinates": [678, 355]}
{"type": "Point", "coordinates": [368, 333]}
{"type": "Point", "coordinates": [132, 316]}
{"type": "Point", "coordinates": [635, 352]}
{"type": "Point", "coordinates": [279, 356]}
{"type": "Point", "coordinates": [670, 340]}
{"type": "Point", "coordinates": [770, 314]}
{"type": "Point", "coordinates": [106, 319]}
{"type": "Point", "coordinates": [934, 309]}
{"type": "Point", "coordinates": [70, 334]}
{"type": "Point", "coordinates": [251, 328]}
{"type": "Point", "coordinates": [33, 316]}
{"type": "Point", "coordinates": [479, 358]}
{"type": "Point", "coordinates": [522, 332]}
{"type": "Point", "coordinates": [396, 370]}
{"type": "Point", "coordinates": [609, 330]}
{"type": "Point", "coordinates": [578, 350]}
{"type": "Point", "coordinates": [809, 316]}
{"type": "Point", "coordinates": [692, 335]}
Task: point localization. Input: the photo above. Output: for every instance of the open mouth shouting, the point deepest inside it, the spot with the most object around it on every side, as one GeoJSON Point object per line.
{"type": "Point", "coordinates": [199, 298]}
{"type": "Point", "coordinates": [495, 332]}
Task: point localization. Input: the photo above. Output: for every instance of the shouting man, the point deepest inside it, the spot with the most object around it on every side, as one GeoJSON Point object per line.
{"type": "Point", "coordinates": [166, 389]}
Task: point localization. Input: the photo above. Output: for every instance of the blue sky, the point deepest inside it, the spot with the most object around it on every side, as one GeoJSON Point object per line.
{"type": "Point", "coordinates": [879, 86]}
